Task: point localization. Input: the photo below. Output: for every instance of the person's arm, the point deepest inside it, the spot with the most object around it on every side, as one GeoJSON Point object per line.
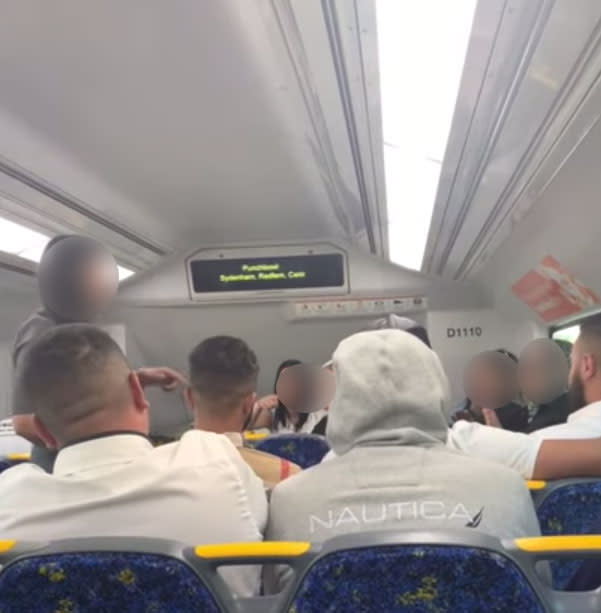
{"type": "Point", "coordinates": [268, 467]}
{"type": "Point", "coordinates": [262, 413]}
{"type": "Point", "coordinates": [514, 449]}
{"type": "Point", "coordinates": [166, 378]}
{"type": "Point", "coordinates": [560, 459]}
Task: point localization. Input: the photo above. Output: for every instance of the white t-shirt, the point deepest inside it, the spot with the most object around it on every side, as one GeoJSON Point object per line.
{"type": "Point", "coordinates": [517, 450]}
{"type": "Point", "coordinates": [197, 490]}
{"type": "Point", "coordinates": [312, 420]}
{"type": "Point", "coordinates": [10, 441]}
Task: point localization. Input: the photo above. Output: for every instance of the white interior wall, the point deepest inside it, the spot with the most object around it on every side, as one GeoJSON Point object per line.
{"type": "Point", "coordinates": [458, 335]}
{"type": "Point", "coordinates": [163, 325]}
{"type": "Point", "coordinates": [564, 223]}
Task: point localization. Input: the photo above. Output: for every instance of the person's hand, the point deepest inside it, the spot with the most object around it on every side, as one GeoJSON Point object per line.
{"type": "Point", "coordinates": [166, 378]}
{"type": "Point", "coordinates": [267, 403]}
{"type": "Point", "coordinates": [462, 415]}
{"type": "Point", "coordinates": [491, 418]}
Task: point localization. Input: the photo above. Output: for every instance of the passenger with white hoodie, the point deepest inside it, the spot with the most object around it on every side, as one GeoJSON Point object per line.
{"type": "Point", "coordinates": [392, 468]}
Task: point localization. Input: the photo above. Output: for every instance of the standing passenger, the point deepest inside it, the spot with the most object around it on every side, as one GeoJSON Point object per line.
{"type": "Point", "coordinates": [77, 280]}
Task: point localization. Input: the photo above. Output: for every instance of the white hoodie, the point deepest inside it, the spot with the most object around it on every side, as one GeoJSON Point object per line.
{"type": "Point", "coordinates": [392, 468]}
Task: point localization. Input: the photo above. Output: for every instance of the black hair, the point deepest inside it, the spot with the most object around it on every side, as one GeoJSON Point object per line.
{"type": "Point", "coordinates": [591, 326]}
{"type": "Point", "coordinates": [222, 367]}
{"type": "Point", "coordinates": [508, 353]}
{"type": "Point", "coordinates": [396, 322]}
{"type": "Point", "coordinates": [281, 411]}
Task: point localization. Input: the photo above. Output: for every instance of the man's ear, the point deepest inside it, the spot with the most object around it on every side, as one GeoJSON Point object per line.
{"type": "Point", "coordinates": [137, 392]}
{"type": "Point", "coordinates": [249, 404]}
{"type": "Point", "coordinates": [247, 411]}
{"type": "Point", "coordinates": [43, 434]}
{"type": "Point", "coordinates": [189, 398]}
{"type": "Point", "coordinates": [588, 366]}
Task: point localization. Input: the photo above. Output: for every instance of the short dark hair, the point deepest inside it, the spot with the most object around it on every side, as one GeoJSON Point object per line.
{"type": "Point", "coordinates": [591, 327]}
{"type": "Point", "coordinates": [508, 353]}
{"type": "Point", "coordinates": [223, 369]}
{"type": "Point", "coordinates": [67, 374]}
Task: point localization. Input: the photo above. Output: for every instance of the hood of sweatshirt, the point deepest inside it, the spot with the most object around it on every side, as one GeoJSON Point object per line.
{"type": "Point", "coordinates": [391, 389]}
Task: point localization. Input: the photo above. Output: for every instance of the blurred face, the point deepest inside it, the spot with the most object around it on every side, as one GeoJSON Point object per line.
{"type": "Point", "coordinates": [487, 386]}
{"type": "Point", "coordinates": [535, 370]}
{"type": "Point", "coordinates": [304, 388]}
{"type": "Point", "coordinates": [99, 281]}
{"type": "Point", "coordinates": [289, 388]}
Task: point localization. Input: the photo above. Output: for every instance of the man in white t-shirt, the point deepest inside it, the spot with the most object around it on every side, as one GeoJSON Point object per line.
{"type": "Point", "coordinates": [223, 373]}
{"type": "Point", "coordinates": [565, 450]}
{"type": "Point", "coordinates": [108, 480]}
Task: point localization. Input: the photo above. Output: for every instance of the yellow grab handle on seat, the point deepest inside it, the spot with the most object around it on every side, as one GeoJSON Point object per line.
{"type": "Point", "coordinates": [536, 485]}
{"type": "Point", "coordinates": [268, 549]}
{"type": "Point", "coordinates": [540, 544]}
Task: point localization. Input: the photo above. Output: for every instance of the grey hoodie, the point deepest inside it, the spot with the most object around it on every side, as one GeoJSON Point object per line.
{"type": "Point", "coordinates": [392, 469]}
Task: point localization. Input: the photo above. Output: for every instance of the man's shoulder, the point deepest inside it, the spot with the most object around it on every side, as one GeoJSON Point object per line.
{"type": "Point", "coordinates": [306, 484]}
{"type": "Point", "coordinates": [199, 447]}
{"type": "Point", "coordinates": [16, 480]}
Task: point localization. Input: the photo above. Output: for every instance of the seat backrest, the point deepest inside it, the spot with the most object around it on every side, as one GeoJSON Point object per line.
{"type": "Point", "coordinates": [417, 572]}
{"type": "Point", "coordinates": [13, 459]}
{"type": "Point", "coordinates": [415, 578]}
{"type": "Point", "coordinates": [306, 450]}
{"type": "Point", "coordinates": [102, 575]}
{"type": "Point", "coordinates": [569, 506]}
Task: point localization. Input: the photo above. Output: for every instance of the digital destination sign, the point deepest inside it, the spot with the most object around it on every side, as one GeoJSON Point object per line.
{"type": "Point", "coordinates": [268, 273]}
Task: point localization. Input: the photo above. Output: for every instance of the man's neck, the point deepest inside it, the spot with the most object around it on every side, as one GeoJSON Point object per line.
{"type": "Point", "coordinates": [103, 434]}
{"type": "Point", "coordinates": [204, 420]}
{"type": "Point", "coordinates": [593, 393]}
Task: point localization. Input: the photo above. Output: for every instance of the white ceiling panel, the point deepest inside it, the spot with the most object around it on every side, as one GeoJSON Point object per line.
{"type": "Point", "coordinates": [530, 94]}
{"type": "Point", "coordinates": [180, 123]}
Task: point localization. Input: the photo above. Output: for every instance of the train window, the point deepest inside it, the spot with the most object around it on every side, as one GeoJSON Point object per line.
{"type": "Point", "coordinates": [29, 244]}
{"type": "Point", "coordinates": [569, 334]}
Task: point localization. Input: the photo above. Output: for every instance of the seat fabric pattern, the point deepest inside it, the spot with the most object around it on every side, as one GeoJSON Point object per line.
{"type": "Point", "coordinates": [415, 579]}
{"type": "Point", "coordinates": [6, 463]}
{"type": "Point", "coordinates": [103, 582]}
{"type": "Point", "coordinates": [570, 509]}
{"type": "Point", "coordinates": [306, 450]}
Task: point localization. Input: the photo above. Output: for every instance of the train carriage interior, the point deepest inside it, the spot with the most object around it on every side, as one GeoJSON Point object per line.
{"type": "Point", "coordinates": [294, 173]}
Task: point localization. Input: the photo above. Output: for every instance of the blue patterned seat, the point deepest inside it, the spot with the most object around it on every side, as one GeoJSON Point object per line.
{"type": "Point", "coordinates": [415, 579]}
{"type": "Point", "coordinates": [6, 463]}
{"type": "Point", "coordinates": [573, 508]}
{"type": "Point", "coordinates": [306, 450]}
{"type": "Point", "coordinates": [103, 582]}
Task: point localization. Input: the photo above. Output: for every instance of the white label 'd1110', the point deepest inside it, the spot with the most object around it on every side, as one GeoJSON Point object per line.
{"type": "Point", "coordinates": [464, 332]}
